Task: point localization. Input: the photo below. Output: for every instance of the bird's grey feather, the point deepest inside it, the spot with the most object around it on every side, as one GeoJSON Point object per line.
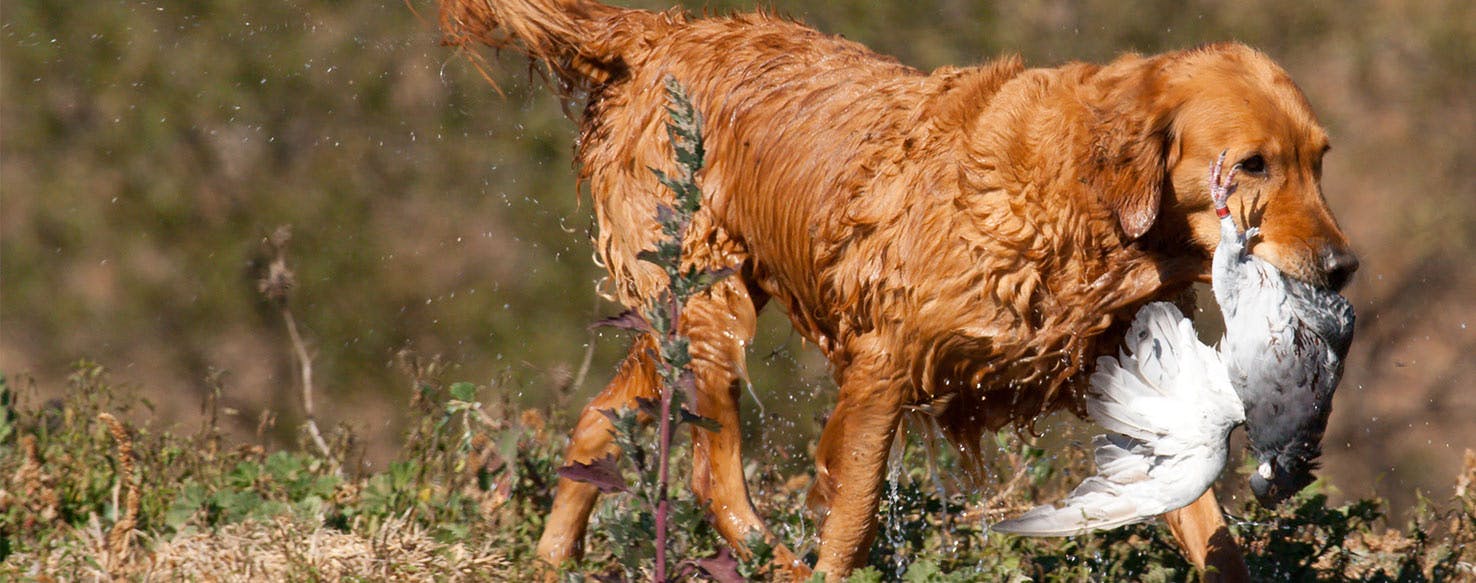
{"type": "Point", "coordinates": [1285, 341]}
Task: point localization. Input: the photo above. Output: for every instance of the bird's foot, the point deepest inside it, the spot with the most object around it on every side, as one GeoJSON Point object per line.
{"type": "Point", "coordinates": [1222, 184]}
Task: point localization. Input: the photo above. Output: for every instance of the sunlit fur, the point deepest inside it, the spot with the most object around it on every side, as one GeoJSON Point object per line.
{"type": "Point", "coordinates": [970, 238]}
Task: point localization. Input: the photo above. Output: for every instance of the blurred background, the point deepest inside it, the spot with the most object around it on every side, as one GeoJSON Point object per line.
{"type": "Point", "coordinates": [148, 149]}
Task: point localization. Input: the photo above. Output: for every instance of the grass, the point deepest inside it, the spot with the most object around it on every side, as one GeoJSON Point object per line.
{"type": "Point", "coordinates": [465, 497]}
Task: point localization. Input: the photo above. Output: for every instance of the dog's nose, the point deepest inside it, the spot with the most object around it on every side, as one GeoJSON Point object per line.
{"type": "Point", "coordinates": [1339, 265]}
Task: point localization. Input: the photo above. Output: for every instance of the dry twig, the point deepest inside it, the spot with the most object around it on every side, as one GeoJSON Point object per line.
{"type": "Point", "coordinates": [275, 286]}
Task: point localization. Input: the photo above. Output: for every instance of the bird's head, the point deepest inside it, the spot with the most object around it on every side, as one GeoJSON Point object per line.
{"type": "Point", "coordinates": [1281, 474]}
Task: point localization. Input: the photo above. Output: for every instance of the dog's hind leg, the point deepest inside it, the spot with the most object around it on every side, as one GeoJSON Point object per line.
{"type": "Point", "coordinates": [563, 533]}
{"type": "Point", "coordinates": [720, 323]}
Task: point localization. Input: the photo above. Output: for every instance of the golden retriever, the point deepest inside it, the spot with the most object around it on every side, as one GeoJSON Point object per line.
{"type": "Point", "coordinates": [971, 237]}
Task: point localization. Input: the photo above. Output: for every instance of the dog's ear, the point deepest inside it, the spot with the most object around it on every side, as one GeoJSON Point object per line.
{"type": "Point", "coordinates": [1128, 165]}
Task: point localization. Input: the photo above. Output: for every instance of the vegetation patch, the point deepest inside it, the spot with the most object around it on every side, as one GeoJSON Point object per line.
{"type": "Point", "coordinates": [466, 497]}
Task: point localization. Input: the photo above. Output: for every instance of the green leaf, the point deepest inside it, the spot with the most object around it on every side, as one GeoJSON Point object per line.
{"type": "Point", "coordinates": [464, 391]}
{"type": "Point", "coordinates": [190, 499]}
{"type": "Point", "coordinates": [923, 571]}
{"type": "Point", "coordinates": [866, 575]}
{"type": "Point", "coordinates": [7, 410]}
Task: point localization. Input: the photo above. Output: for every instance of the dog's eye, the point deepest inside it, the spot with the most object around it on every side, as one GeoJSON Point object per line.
{"type": "Point", "coordinates": [1253, 165]}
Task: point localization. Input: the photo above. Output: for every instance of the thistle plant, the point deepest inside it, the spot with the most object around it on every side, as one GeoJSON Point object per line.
{"type": "Point", "coordinates": [661, 319]}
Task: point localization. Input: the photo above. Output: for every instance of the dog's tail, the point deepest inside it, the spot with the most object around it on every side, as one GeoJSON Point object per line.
{"type": "Point", "coordinates": [582, 41]}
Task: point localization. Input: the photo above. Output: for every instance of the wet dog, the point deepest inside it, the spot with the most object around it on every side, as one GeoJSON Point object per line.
{"type": "Point", "coordinates": [970, 237]}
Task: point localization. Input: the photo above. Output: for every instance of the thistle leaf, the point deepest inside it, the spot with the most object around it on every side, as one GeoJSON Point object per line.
{"type": "Point", "coordinates": [650, 407]}
{"type": "Point", "coordinates": [627, 320]}
{"type": "Point", "coordinates": [722, 567]}
{"type": "Point", "coordinates": [602, 473]}
{"type": "Point", "coordinates": [696, 420]}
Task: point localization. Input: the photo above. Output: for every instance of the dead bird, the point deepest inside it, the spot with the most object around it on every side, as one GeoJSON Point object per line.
{"type": "Point", "coordinates": [1285, 341]}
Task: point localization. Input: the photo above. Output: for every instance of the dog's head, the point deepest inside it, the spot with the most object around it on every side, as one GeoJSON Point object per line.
{"type": "Point", "coordinates": [1169, 117]}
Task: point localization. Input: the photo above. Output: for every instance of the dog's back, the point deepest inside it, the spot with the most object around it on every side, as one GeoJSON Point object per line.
{"type": "Point", "coordinates": [799, 124]}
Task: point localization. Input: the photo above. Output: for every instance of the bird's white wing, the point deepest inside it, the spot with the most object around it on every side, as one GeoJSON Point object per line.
{"type": "Point", "coordinates": [1100, 501]}
{"type": "Point", "coordinates": [1167, 385]}
{"type": "Point", "coordinates": [1086, 513]}
{"type": "Point", "coordinates": [1169, 401]}
{"type": "Point", "coordinates": [1132, 485]}
{"type": "Point", "coordinates": [1122, 459]}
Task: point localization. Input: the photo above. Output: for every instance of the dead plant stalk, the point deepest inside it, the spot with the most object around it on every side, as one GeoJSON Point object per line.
{"type": "Point", "coordinates": [276, 286]}
{"type": "Point", "coordinates": [121, 535]}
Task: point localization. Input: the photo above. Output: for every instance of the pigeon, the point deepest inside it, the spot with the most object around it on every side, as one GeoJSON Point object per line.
{"type": "Point", "coordinates": [1285, 341]}
{"type": "Point", "coordinates": [1169, 402]}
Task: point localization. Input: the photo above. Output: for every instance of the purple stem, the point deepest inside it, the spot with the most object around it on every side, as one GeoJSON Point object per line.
{"type": "Point", "coordinates": [664, 453]}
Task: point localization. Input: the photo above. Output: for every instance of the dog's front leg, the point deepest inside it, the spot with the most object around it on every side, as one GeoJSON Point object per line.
{"type": "Point", "coordinates": [1201, 531]}
{"type": "Point", "coordinates": [851, 461]}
